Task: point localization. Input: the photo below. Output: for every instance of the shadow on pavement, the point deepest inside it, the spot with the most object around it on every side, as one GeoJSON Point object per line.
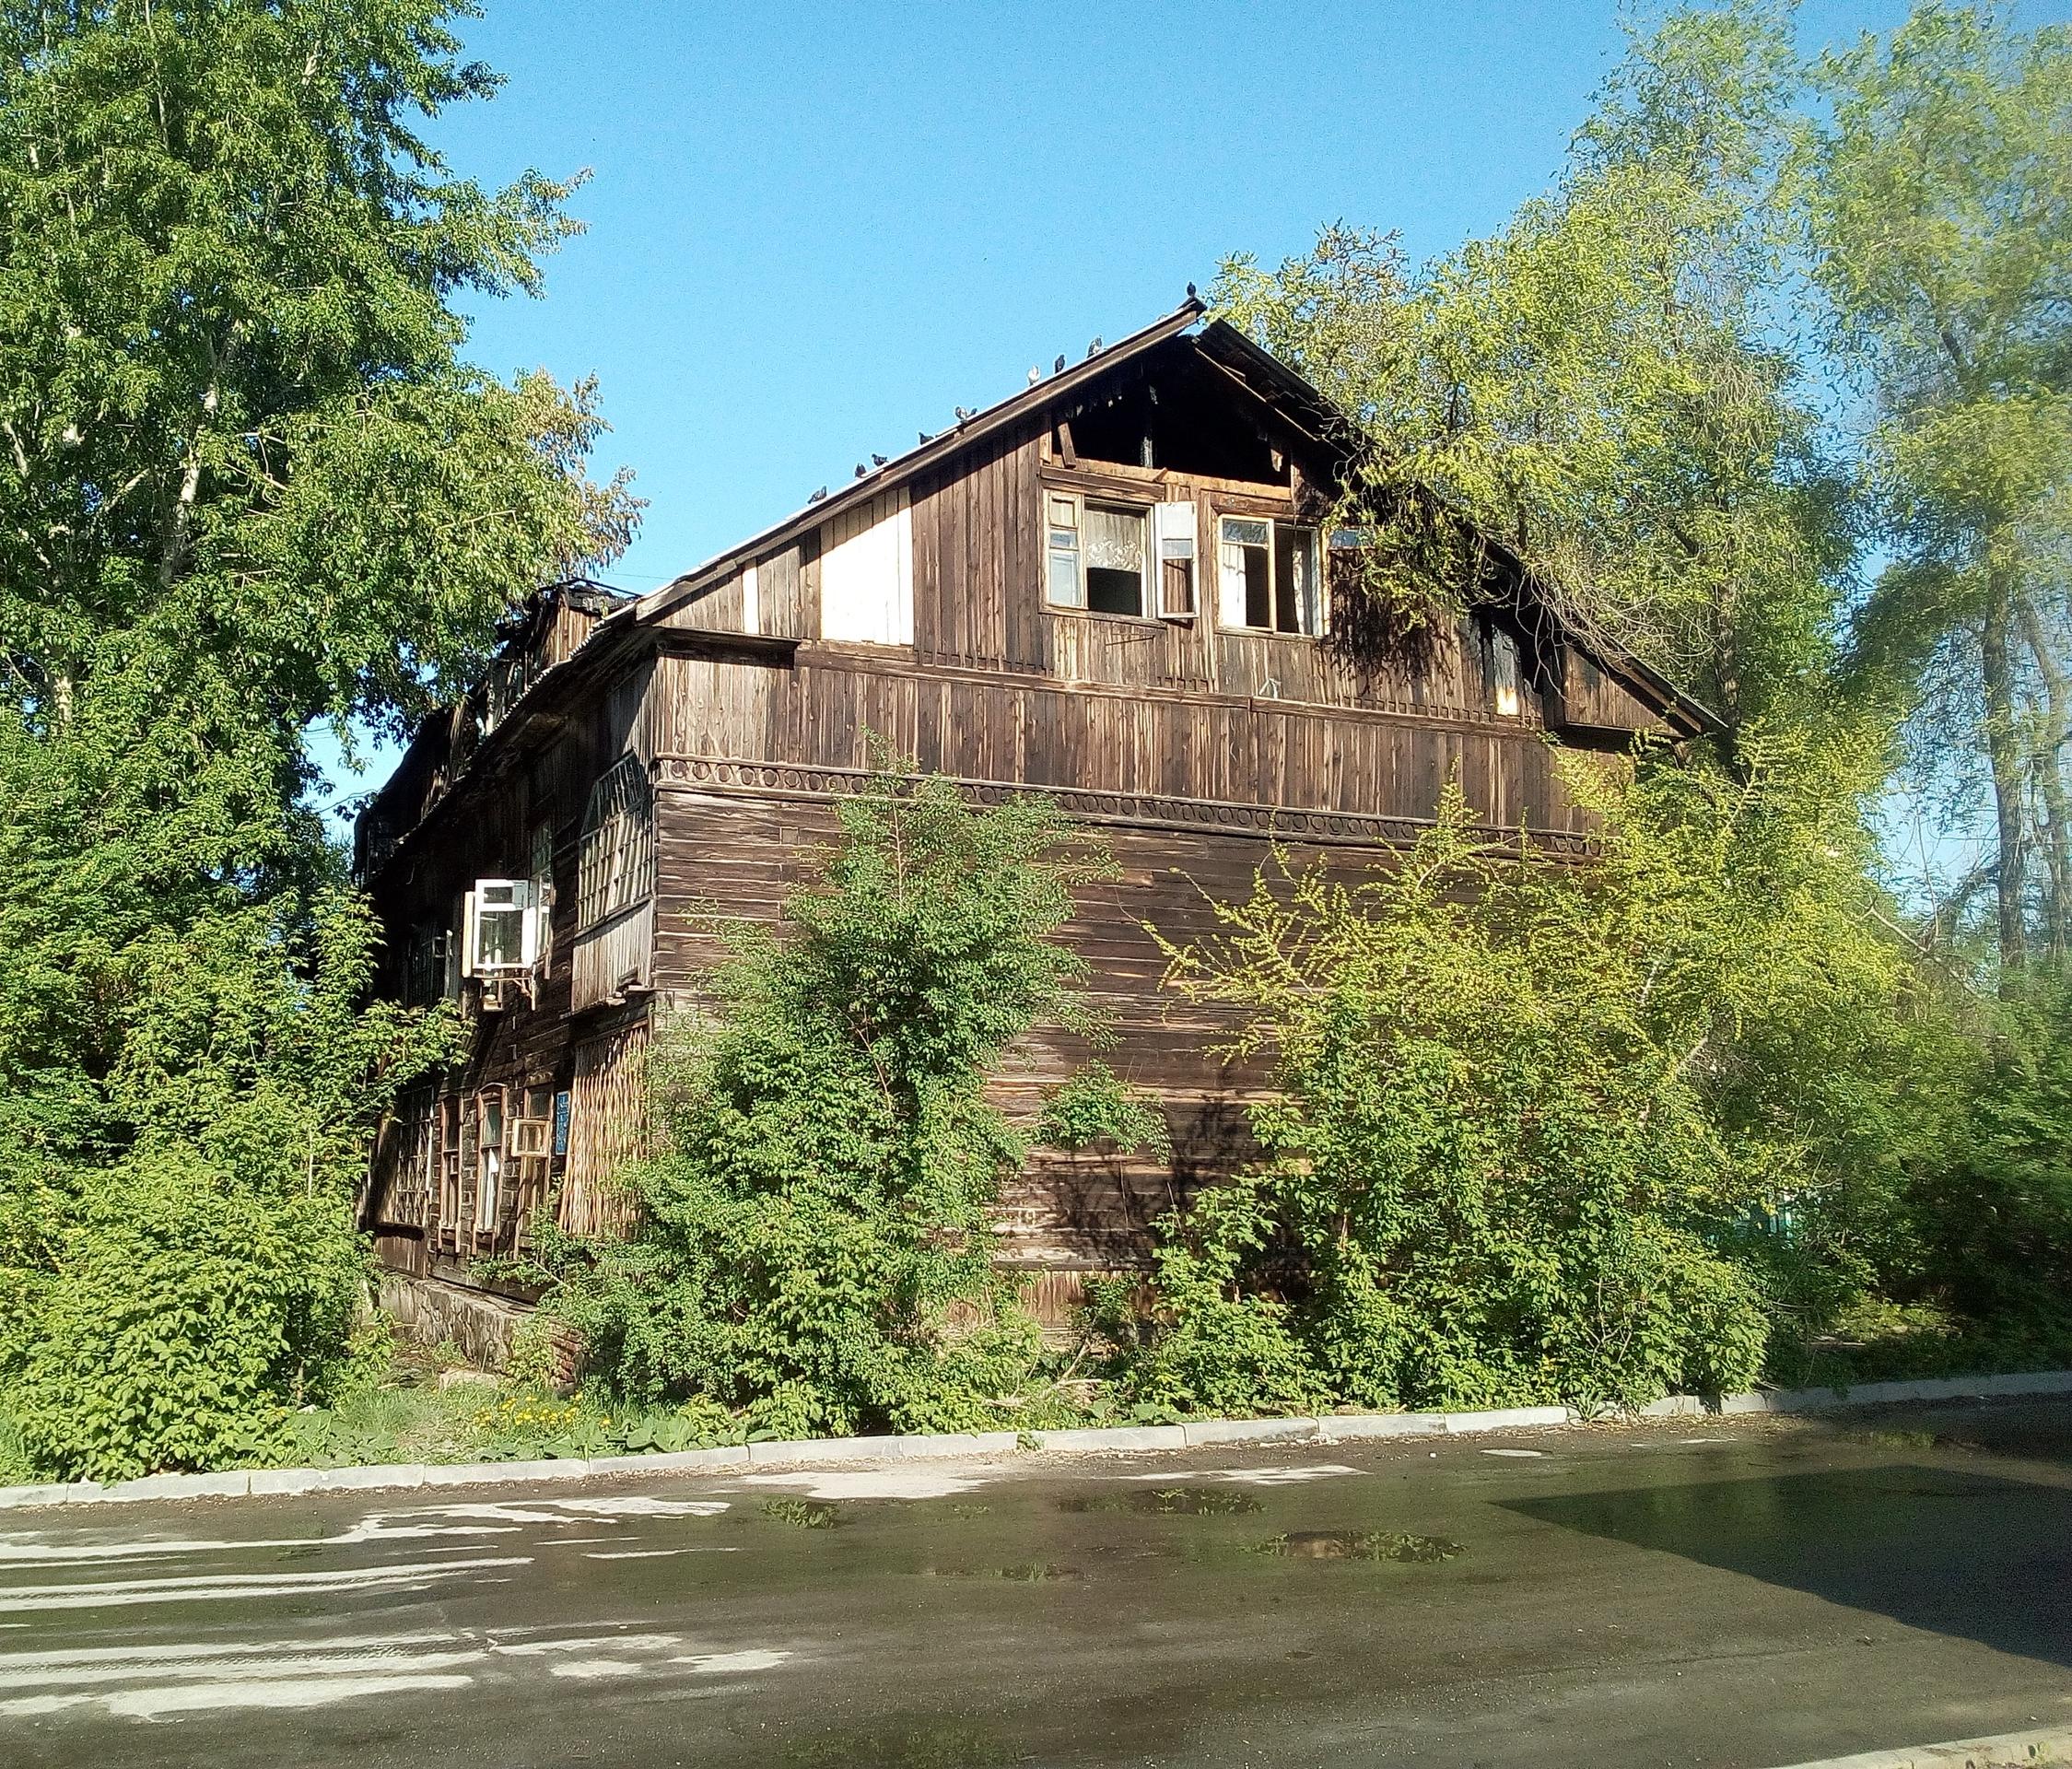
{"type": "Point", "coordinates": [1972, 1556]}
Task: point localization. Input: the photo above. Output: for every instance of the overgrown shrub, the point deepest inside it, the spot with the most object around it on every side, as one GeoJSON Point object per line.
{"type": "Point", "coordinates": [815, 1250]}
{"type": "Point", "coordinates": [1535, 1122]}
{"type": "Point", "coordinates": [165, 1306]}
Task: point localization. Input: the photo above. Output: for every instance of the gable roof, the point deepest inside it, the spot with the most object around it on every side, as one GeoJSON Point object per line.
{"type": "Point", "coordinates": [1255, 371]}
{"type": "Point", "coordinates": [968, 430]}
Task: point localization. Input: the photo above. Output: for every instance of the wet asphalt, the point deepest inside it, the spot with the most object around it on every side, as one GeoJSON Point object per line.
{"type": "Point", "coordinates": [1719, 1593]}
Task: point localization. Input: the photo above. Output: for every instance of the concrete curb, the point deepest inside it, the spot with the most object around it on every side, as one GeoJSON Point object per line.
{"type": "Point", "coordinates": [1194, 1434]}
{"type": "Point", "coordinates": [1968, 1754]}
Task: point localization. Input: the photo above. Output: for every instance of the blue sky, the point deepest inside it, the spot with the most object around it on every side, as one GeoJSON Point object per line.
{"type": "Point", "coordinates": [815, 231]}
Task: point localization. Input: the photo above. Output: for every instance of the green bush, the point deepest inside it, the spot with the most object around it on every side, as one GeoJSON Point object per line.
{"type": "Point", "coordinates": [185, 1316]}
{"type": "Point", "coordinates": [167, 1303]}
{"type": "Point", "coordinates": [815, 1254]}
{"type": "Point", "coordinates": [1534, 1119]}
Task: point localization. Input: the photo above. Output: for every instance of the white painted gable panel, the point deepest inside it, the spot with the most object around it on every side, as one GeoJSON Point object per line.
{"type": "Point", "coordinates": [867, 573]}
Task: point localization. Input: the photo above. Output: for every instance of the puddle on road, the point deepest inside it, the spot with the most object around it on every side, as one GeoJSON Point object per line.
{"type": "Point", "coordinates": [1359, 1545]}
{"type": "Point", "coordinates": [802, 1514]}
{"type": "Point", "coordinates": [1028, 1572]}
{"type": "Point", "coordinates": [1168, 1502]}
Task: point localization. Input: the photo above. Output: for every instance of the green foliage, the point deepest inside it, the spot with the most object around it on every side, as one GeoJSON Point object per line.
{"type": "Point", "coordinates": [1992, 1224]}
{"type": "Point", "coordinates": [1596, 384]}
{"type": "Point", "coordinates": [1528, 1110]}
{"type": "Point", "coordinates": [168, 1310]}
{"type": "Point", "coordinates": [1935, 191]}
{"type": "Point", "coordinates": [249, 484]}
{"type": "Point", "coordinates": [1093, 1106]}
{"type": "Point", "coordinates": [817, 1250]}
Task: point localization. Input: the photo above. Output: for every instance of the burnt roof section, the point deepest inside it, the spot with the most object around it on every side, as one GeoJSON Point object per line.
{"type": "Point", "coordinates": [905, 467]}
{"type": "Point", "coordinates": [1255, 371]}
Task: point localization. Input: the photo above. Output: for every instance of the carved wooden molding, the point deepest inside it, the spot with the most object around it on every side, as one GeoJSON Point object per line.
{"type": "Point", "coordinates": [732, 776]}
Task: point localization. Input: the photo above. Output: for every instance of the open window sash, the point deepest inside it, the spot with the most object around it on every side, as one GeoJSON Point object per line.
{"type": "Point", "coordinates": [1172, 545]}
{"type": "Point", "coordinates": [501, 930]}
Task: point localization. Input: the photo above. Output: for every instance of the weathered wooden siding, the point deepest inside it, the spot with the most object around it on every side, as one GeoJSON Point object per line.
{"type": "Point", "coordinates": [732, 845]}
{"type": "Point", "coordinates": [914, 628]}
{"type": "Point", "coordinates": [1239, 762]}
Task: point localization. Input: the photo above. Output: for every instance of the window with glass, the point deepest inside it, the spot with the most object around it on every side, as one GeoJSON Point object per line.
{"type": "Point", "coordinates": [1269, 577]}
{"type": "Point", "coordinates": [489, 1157]}
{"type": "Point", "coordinates": [1130, 560]}
{"type": "Point", "coordinates": [1100, 555]}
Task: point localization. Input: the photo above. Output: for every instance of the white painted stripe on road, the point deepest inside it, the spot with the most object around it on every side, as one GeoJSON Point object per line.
{"type": "Point", "coordinates": [718, 1664]}
{"type": "Point", "coordinates": [239, 1649]}
{"type": "Point", "coordinates": [232, 1668]}
{"type": "Point", "coordinates": [1254, 1476]}
{"type": "Point", "coordinates": [652, 1553]}
{"type": "Point", "coordinates": [885, 1483]}
{"type": "Point", "coordinates": [148, 1684]}
{"type": "Point", "coordinates": [214, 1586]}
{"type": "Point", "coordinates": [155, 1704]}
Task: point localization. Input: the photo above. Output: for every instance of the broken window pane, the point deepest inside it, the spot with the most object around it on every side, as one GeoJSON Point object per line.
{"type": "Point", "coordinates": [1294, 578]}
{"type": "Point", "coordinates": [1115, 544]}
{"type": "Point", "coordinates": [1247, 562]}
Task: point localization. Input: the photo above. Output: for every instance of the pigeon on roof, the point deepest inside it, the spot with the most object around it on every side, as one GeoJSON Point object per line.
{"type": "Point", "coordinates": [1035, 375]}
{"type": "Point", "coordinates": [877, 460]}
{"type": "Point", "coordinates": [817, 496]}
{"type": "Point", "coordinates": [1057, 367]}
{"type": "Point", "coordinates": [860, 469]}
{"type": "Point", "coordinates": [1094, 349]}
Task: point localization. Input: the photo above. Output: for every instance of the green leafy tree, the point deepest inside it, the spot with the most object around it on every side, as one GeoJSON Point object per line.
{"type": "Point", "coordinates": [1600, 382]}
{"type": "Point", "coordinates": [247, 483]}
{"type": "Point", "coordinates": [816, 1252]}
{"type": "Point", "coordinates": [1936, 197]}
{"type": "Point", "coordinates": [1533, 1120]}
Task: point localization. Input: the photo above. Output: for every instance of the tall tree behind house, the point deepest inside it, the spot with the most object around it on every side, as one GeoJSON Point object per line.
{"type": "Point", "coordinates": [1937, 198]}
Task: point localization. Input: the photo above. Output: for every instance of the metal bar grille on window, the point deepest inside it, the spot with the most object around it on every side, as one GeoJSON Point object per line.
{"type": "Point", "coordinates": [615, 864]}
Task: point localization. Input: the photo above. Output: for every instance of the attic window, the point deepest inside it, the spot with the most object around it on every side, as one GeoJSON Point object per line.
{"type": "Point", "coordinates": [1268, 576]}
{"type": "Point", "coordinates": [615, 865]}
{"type": "Point", "coordinates": [1100, 556]}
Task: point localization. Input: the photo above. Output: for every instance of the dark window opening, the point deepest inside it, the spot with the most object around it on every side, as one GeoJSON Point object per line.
{"type": "Point", "coordinates": [1115, 544]}
{"type": "Point", "coordinates": [1295, 578]}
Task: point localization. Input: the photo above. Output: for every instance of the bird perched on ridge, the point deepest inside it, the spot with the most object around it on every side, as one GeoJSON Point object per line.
{"type": "Point", "coordinates": [1057, 367]}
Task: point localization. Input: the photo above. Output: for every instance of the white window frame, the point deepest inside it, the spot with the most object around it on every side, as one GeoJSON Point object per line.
{"type": "Point", "coordinates": [1065, 540]}
{"type": "Point", "coordinates": [493, 901]}
{"type": "Point", "coordinates": [1313, 610]}
{"type": "Point", "coordinates": [1174, 544]}
{"type": "Point", "coordinates": [616, 857]}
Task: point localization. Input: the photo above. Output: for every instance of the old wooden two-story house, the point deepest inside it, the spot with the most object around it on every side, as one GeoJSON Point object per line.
{"type": "Point", "coordinates": [1113, 587]}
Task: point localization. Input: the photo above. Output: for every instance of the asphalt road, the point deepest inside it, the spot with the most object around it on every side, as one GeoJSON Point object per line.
{"type": "Point", "coordinates": [1729, 1593]}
